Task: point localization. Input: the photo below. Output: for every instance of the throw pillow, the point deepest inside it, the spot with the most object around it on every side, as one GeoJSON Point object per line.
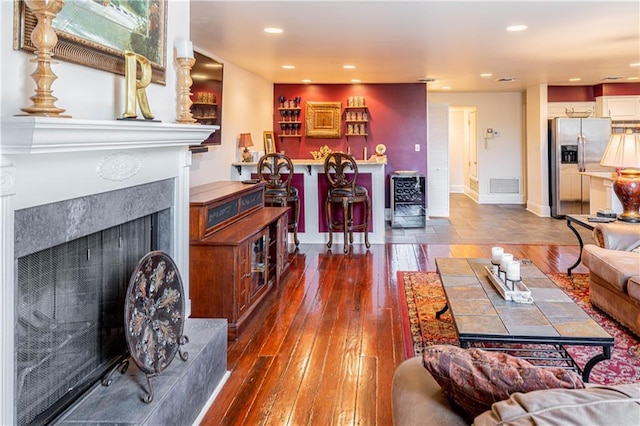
{"type": "Point", "coordinates": [474, 378]}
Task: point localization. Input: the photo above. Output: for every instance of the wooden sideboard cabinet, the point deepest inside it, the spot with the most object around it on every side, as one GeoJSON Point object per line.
{"type": "Point", "coordinates": [238, 251]}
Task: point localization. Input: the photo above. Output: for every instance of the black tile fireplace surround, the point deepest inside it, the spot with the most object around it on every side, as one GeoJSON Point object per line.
{"type": "Point", "coordinates": [74, 259]}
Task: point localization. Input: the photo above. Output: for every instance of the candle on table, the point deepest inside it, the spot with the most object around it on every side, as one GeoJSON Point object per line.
{"type": "Point", "coordinates": [513, 271]}
{"type": "Point", "coordinates": [496, 255]}
{"type": "Point", "coordinates": [506, 258]}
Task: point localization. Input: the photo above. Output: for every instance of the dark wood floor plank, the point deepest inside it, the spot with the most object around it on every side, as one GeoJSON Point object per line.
{"type": "Point", "coordinates": [245, 397]}
{"type": "Point", "coordinates": [367, 400]}
{"type": "Point", "coordinates": [306, 355]}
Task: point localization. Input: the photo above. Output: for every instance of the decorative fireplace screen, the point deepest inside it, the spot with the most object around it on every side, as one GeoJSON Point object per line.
{"type": "Point", "coordinates": [69, 328]}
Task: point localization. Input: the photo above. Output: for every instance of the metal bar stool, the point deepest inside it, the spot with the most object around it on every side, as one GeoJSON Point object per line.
{"type": "Point", "coordinates": [341, 171]}
{"type": "Point", "coordinates": [278, 190]}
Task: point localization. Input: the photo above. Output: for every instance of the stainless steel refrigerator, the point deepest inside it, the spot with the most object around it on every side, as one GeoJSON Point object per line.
{"type": "Point", "coordinates": [576, 145]}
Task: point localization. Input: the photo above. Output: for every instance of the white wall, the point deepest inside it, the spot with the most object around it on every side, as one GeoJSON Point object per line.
{"type": "Point", "coordinates": [501, 157]}
{"type": "Point", "coordinates": [247, 107]}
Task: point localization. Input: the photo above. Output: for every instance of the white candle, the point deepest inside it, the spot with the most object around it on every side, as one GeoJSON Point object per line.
{"type": "Point", "coordinates": [496, 255]}
{"type": "Point", "coordinates": [506, 258]}
{"type": "Point", "coordinates": [184, 49]}
{"type": "Point", "coordinates": [513, 271]}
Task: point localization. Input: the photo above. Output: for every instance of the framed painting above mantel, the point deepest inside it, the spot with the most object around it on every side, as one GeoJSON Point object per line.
{"type": "Point", "coordinates": [96, 34]}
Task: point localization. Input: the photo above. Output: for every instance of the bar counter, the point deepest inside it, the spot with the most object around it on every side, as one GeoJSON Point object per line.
{"type": "Point", "coordinates": [312, 186]}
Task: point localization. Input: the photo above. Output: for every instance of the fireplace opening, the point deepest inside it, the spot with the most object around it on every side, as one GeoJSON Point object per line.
{"type": "Point", "coordinates": [70, 315]}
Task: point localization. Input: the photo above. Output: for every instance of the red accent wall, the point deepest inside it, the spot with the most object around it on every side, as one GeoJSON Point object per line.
{"type": "Point", "coordinates": [397, 119]}
{"type": "Point", "coordinates": [570, 94]}
{"type": "Point", "coordinates": [589, 93]}
{"type": "Point", "coordinates": [617, 89]}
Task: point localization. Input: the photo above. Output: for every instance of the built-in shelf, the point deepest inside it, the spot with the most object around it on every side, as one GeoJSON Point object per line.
{"type": "Point", "coordinates": [356, 119]}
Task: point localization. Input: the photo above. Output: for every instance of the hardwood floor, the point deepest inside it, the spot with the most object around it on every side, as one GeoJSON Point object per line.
{"type": "Point", "coordinates": [323, 347]}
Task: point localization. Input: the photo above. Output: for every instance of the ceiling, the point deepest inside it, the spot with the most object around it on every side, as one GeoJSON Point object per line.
{"type": "Point", "coordinates": [452, 42]}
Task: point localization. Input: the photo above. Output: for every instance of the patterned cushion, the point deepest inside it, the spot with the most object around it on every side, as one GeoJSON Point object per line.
{"type": "Point", "coordinates": [474, 379]}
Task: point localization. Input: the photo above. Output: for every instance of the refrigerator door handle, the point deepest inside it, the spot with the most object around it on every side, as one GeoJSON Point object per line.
{"type": "Point", "coordinates": [581, 153]}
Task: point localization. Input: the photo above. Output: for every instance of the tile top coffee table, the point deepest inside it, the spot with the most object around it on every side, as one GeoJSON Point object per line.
{"type": "Point", "coordinates": [481, 315]}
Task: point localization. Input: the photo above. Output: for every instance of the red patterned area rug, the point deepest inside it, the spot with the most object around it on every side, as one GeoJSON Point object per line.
{"type": "Point", "coordinates": [423, 297]}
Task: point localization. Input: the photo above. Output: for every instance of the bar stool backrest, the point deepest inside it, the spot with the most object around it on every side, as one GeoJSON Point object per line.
{"type": "Point", "coordinates": [271, 167]}
{"type": "Point", "coordinates": [341, 171]}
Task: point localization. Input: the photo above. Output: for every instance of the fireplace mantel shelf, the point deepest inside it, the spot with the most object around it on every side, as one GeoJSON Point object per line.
{"type": "Point", "coordinates": [35, 135]}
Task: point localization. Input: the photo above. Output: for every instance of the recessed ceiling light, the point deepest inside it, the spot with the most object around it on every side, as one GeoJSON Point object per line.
{"type": "Point", "coordinates": [633, 78]}
{"type": "Point", "coordinates": [288, 67]}
{"type": "Point", "coordinates": [273, 30]}
{"type": "Point", "coordinates": [356, 81]}
{"type": "Point", "coordinates": [575, 79]}
{"type": "Point", "coordinates": [306, 80]}
{"type": "Point", "coordinates": [636, 64]}
{"type": "Point", "coordinates": [446, 87]}
{"type": "Point", "coordinates": [213, 65]}
{"type": "Point", "coordinates": [516, 28]}
{"type": "Point", "coordinates": [486, 74]}
{"type": "Point", "coordinates": [349, 67]}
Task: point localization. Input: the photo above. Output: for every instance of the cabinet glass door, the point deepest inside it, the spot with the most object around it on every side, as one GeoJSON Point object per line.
{"type": "Point", "coordinates": [259, 263]}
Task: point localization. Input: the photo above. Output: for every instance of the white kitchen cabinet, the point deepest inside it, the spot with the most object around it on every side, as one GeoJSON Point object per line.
{"type": "Point", "coordinates": [618, 107]}
{"type": "Point", "coordinates": [559, 109]}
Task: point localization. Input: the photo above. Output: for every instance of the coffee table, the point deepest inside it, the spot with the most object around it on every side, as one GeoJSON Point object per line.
{"type": "Point", "coordinates": [554, 320]}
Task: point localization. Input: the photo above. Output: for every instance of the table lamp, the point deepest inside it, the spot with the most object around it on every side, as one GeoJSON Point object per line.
{"type": "Point", "coordinates": [623, 153]}
{"type": "Point", "coordinates": [245, 141]}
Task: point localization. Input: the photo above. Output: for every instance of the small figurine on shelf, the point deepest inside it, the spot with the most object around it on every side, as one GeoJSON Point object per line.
{"type": "Point", "coordinates": [281, 100]}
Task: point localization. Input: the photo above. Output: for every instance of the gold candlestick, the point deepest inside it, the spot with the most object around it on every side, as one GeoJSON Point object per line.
{"type": "Point", "coordinates": [185, 91]}
{"type": "Point", "coordinates": [44, 38]}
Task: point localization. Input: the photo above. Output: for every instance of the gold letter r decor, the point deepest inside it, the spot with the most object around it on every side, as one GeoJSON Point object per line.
{"type": "Point", "coordinates": [134, 89]}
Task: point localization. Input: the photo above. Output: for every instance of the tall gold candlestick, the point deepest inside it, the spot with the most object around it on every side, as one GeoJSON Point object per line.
{"type": "Point", "coordinates": [185, 91]}
{"type": "Point", "coordinates": [44, 38]}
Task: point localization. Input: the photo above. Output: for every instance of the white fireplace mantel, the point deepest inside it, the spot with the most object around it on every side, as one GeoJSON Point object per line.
{"type": "Point", "coordinates": [23, 135]}
{"type": "Point", "coordinates": [46, 159]}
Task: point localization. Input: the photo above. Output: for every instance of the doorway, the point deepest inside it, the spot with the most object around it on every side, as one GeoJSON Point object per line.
{"type": "Point", "coordinates": [463, 149]}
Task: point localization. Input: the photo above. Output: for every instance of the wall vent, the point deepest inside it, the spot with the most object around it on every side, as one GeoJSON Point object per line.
{"type": "Point", "coordinates": [504, 186]}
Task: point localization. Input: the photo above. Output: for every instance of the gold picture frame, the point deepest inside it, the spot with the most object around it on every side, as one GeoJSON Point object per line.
{"type": "Point", "coordinates": [269, 142]}
{"type": "Point", "coordinates": [323, 120]}
{"type": "Point", "coordinates": [148, 38]}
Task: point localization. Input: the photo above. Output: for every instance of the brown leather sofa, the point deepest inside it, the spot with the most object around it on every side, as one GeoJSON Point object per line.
{"type": "Point", "coordinates": [417, 399]}
{"type": "Point", "coordinates": [614, 272]}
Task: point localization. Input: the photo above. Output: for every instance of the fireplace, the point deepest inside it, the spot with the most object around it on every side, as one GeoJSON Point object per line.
{"type": "Point", "coordinates": [81, 202]}
{"type": "Point", "coordinates": [70, 309]}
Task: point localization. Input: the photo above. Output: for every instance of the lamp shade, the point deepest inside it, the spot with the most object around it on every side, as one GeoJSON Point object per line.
{"type": "Point", "coordinates": [245, 140]}
{"type": "Point", "coordinates": [623, 151]}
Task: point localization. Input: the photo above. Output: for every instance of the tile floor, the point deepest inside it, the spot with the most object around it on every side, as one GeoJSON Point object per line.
{"type": "Point", "coordinates": [472, 223]}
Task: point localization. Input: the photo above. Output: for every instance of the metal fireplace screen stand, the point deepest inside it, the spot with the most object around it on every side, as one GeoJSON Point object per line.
{"type": "Point", "coordinates": [154, 318]}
